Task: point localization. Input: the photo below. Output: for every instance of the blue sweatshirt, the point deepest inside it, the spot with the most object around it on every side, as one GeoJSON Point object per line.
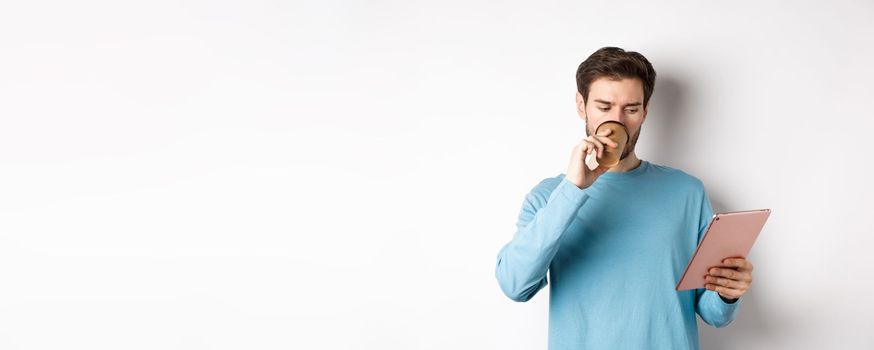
{"type": "Point", "coordinates": [614, 252]}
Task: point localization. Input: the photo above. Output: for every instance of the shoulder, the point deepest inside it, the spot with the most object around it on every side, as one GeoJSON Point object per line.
{"type": "Point", "coordinates": [677, 178]}
{"type": "Point", "coordinates": [539, 194]}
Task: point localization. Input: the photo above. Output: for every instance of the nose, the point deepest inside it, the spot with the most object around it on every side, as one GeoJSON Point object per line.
{"type": "Point", "coordinates": [615, 115]}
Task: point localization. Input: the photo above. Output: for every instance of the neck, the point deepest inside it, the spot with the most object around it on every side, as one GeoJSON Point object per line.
{"type": "Point", "coordinates": [629, 163]}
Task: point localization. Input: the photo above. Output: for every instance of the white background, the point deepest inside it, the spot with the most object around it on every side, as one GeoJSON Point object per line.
{"type": "Point", "coordinates": [339, 175]}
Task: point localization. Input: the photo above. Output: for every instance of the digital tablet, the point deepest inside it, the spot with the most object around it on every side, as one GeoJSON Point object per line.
{"type": "Point", "coordinates": [728, 235]}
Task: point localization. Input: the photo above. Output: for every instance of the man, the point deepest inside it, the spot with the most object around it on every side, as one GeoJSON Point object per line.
{"type": "Point", "coordinates": [615, 241]}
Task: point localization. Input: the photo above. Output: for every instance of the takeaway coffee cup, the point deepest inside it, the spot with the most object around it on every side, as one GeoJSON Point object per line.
{"type": "Point", "coordinates": [611, 155]}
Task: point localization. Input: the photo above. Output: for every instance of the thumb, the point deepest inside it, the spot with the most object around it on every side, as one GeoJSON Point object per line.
{"type": "Point", "coordinates": [601, 169]}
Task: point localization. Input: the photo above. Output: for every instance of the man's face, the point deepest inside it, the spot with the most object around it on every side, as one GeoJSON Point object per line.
{"type": "Point", "coordinates": [610, 99]}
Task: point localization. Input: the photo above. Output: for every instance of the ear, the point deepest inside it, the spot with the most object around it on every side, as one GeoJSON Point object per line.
{"type": "Point", "coordinates": [645, 112]}
{"type": "Point", "coordinates": [581, 106]}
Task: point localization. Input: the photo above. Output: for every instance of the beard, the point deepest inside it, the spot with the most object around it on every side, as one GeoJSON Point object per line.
{"type": "Point", "coordinates": [629, 146]}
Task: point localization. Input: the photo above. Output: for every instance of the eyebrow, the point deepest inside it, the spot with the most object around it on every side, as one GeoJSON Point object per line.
{"type": "Point", "coordinates": [633, 104]}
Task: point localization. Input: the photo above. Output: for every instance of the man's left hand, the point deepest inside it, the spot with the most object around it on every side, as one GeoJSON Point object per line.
{"type": "Point", "coordinates": [732, 280]}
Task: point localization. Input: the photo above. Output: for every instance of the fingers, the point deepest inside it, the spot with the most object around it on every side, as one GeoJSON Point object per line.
{"type": "Point", "coordinates": [589, 149]}
{"type": "Point", "coordinates": [589, 145]}
{"type": "Point", "coordinates": [731, 274]}
{"type": "Point", "coordinates": [730, 293]}
{"type": "Point", "coordinates": [740, 263]}
{"type": "Point", "coordinates": [596, 145]}
{"type": "Point", "coordinates": [599, 141]}
{"type": "Point", "coordinates": [584, 147]}
{"type": "Point", "coordinates": [602, 136]}
{"type": "Point", "coordinates": [604, 139]}
{"type": "Point", "coordinates": [725, 282]}
{"type": "Point", "coordinates": [731, 280]}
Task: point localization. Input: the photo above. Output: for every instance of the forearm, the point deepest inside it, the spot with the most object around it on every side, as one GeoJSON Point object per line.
{"type": "Point", "coordinates": [714, 309]}
{"type": "Point", "coordinates": [522, 263]}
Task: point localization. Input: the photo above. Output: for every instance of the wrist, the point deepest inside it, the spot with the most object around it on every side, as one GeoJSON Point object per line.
{"type": "Point", "coordinates": [728, 300]}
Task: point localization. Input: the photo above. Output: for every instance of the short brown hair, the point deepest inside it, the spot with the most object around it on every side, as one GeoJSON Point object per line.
{"type": "Point", "coordinates": [616, 63]}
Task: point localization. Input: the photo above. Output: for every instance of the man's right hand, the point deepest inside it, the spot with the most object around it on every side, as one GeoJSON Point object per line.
{"type": "Point", "coordinates": [578, 172]}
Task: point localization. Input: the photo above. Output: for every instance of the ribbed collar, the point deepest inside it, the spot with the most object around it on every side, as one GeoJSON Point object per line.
{"type": "Point", "coordinates": [640, 169]}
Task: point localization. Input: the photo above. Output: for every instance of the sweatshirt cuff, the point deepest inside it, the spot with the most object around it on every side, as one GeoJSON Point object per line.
{"type": "Point", "coordinates": [717, 301]}
{"type": "Point", "coordinates": [728, 301]}
{"type": "Point", "coordinates": [570, 192]}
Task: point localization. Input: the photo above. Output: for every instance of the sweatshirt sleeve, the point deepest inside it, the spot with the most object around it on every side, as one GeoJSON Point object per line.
{"type": "Point", "coordinates": [523, 262]}
{"type": "Point", "coordinates": [714, 310]}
